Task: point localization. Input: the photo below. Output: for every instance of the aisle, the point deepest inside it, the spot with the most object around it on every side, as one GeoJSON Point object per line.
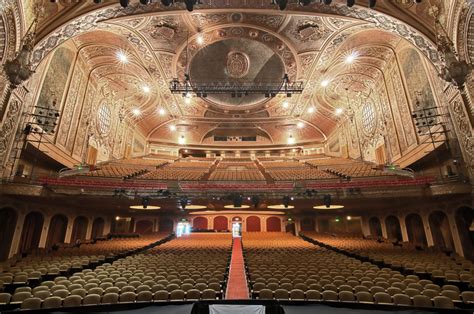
{"type": "Point", "coordinates": [237, 288]}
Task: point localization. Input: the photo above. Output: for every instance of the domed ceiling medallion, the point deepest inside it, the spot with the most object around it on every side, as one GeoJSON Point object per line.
{"type": "Point", "coordinates": [238, 64]}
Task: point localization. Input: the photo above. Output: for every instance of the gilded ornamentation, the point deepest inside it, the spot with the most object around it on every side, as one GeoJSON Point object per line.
{"type": "Point", "coordinates": [238, 64]}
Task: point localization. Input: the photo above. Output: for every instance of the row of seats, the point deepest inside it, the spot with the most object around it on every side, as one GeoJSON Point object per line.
{"type": "Point", "coordinates": [174, 174]}
{"type": "Point", "coordinates": [302, 173]}
{"type": "Point", "coordinates": [427, 263]}
{"type": "Point", "coordinates": [236, 175]}
{"type": "Point", "coordinates": [49, 263]}
{"type": "Point", "coordinates": [283, 266]}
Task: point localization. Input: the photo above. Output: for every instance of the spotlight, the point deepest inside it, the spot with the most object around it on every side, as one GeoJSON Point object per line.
{"type": "Point", "coordinates": [183, 202]}
{"type": "Point", "coordinates": [124, 3]}
{"type": "Point", "coordinates": [286, 201]}
{"type": "Point", "coordinates": [136, 112]}
{"type": "Point", "coordinates": [350, 3]}
{"type": "Point", "coordinates": [200, 39]}
{"type": "Point", "coordinates": [282, 4]}
{"type": "Point", "coordinates": [122, 57]}
{"type": "Point", "coordinates": [162, 112]}
{"type": "Point", "coordinates": [173, 127]}
{"type": "Point", "coordinates": [372, 3]}
{"type": "Point", "coordinates": [325, 83]}
{"type": "Point", "coordinates": [146, 89]}
{"type": "Point", "coordinates": [327, 2]}
{"type": "Point", "coordinates": [166, 3]}
{"type": "Point", "coordinates": [286, 104]}
{"type": "Point", "coordinates": [339, 111]}
{"type": "Point", "coordinates": [300, 125]}
{"type": "Point", "coordinates": [310, 109]}
{"type": "Point", "coordinates": [327, 200]}
{"type": "Point", "coordinates": [145, 2]}
{"type": "Point", "coordinates": [190, 4]}
{"type": "Point", "coordinates": [145, 202]}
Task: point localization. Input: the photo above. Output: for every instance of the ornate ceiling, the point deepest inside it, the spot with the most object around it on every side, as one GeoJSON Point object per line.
{"type": "Point", "coordinates": [237, 40]}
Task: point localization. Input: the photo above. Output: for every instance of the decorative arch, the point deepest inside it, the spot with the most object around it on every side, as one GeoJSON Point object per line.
{"type": "Point", "coordinates": [8, 219]}
{"type": "Point", "coordinates": [166, 225]}
{"type": "Point", "coordinates": [200, 223]}
{"type": "Point", "coordinates": [221, 223]}
{"type": "Point", "coordinates": [307, 224]}
{"type": "Point", "coordinates": [79, 229]}
{"type": "Point", "coordinates": [415, 229]}
{"type": "Point", "coordinates": [253, 224]}
{"type": "Point", "coordinates": [465, 223]}
{"type": "Point", "coordinates": [273, 224]}
{"type": "Point", "coordinates": [394, 230]}
{"type": "Point", "coordinates": [31, 233]}
{"type": "Point", "coordinates": [375, 227]}
{"type": "Point", "coordinates": [57, 230]}
{"type": "Point", "coordinates": [98, 228]}
{"type": "Point", "coordinates": [441, 231]}
{"type": "Point", "coordinates": [144, 227]}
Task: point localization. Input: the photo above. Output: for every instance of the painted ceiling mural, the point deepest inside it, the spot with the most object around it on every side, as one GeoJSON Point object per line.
{"type": "Point", "coordinates": [251, 41]}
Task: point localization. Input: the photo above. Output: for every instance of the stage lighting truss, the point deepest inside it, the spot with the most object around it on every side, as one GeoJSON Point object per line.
{"type": "Point", "coordinates": [44, 121]}
{"type": "Point", "coordinates": [188, 88]}
{"type": "Point", "coordinates": [430, 122]}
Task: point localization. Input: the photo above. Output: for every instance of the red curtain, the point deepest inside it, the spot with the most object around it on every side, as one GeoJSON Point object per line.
{"type": "Point", "coordinates": [221, 223]}
{"type": "Point", "coordinates": [200, 223]}
{"type": "Point", "coordinates": [253, 224]}
{"type": "Point", "coordinates": [273, 224]}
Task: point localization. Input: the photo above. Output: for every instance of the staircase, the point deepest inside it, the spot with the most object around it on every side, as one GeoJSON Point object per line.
{"type": "Point", "coordinates": [268, 177]}
{"type": "Point", "coordinates": [206, 176]}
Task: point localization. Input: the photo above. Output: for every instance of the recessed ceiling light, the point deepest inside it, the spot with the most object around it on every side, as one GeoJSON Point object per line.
{"type": "Point", "coordinates": [311, 109]}
{"type": "Point", "coordinates": [291, 140]}
{"type": "Point", "coordinates": [349, 217]}
{"type": "Point", "coordinates": [300, 124]}
{"type": "Point", "coordinates": [136, 112]}
{"type": "Point", "coordinates": [146, 89]}
{"type": "Point", "coordinates": [339, 111]}
{"type": "Point", "coordinates": [182, 140]}
{"type": "Point", "coordinates": [351, 57]}
{"type": "Point", "coordinates": [187, 100]}
{"type": "Point", "coordinates": [200, 39]}
{"type": "Point", "coordinates": [162, 112]}
{"type": "Point", "coordinates": [122, 56]}
{"type": "Point", "coordinates": [173, 127]}
{"type": "Point", "coordinates": [325, 83]}
{"type": "Point", "coordinates": [285, 104]}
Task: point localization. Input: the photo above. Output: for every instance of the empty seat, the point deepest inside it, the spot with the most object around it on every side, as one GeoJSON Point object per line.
{"type": "Point", "coordinates": [110, 298]}
{"type": "Point", "coordinates": [72, 301]}
{"type": "Point", "coordinates": [346, 296]}
{"type": "Point", "coordinates": [401, 299]}
{"type": "Point", "coordinates": [91, 299]}
{"type": "Point", "coordinates": [329, 295]}
{"type": "Point", "coordinates": [129, 296]}
{"type": "Point", "coordinates": [161, 295]}
{"type": "Point", "coordinates": [422, 301]}
{"type": "Point", "coordinates": [467, 296]}
{"type": "Point", "coordinates": [443, 302]}
{"type": "Point", "coordinates": [52, 302]}
{"type": "Point", "coordinates": [32, 303]}
{"type": "Point", "coordinates": [281, 294]}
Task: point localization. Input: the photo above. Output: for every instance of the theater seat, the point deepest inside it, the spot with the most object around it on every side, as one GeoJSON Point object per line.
{"type": "Point", "coordinates": [401, 299]}
{"type": "Point", "coordinates": [422, 301]}
{"type": "Point", "coordinates": [32, 303]}
{"type": "Point", "coordinates": [72, 301]}
{"type": "Point", "coordinates": [443, 302]}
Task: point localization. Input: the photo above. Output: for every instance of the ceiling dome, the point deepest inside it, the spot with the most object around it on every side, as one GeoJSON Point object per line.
{"type": "Point", "coordinates": [236, 60]}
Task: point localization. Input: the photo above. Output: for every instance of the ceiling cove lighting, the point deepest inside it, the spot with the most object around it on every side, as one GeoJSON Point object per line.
{"type": "Point", "coordinates": [291, 140]}
{"type": "Point", "coordinates": [182, 140]}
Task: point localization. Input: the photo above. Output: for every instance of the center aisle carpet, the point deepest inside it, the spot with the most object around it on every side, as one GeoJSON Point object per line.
{"type": "Point", "coordinates": [237, 288]}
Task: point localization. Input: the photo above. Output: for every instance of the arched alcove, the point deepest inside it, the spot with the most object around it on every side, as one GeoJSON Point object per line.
{"type": "Point", "coordinates": [31, 233]}
{"type": "Point", "coordinates": [8, 218]}
{"type": "Point", "coordinates": [415, 229]}
{"type": "Point", "coordinates": [98, 228]}
{"type": "Point", "coordinates": [307, 224]}
{"type": "Point", "coordinates": [375, 227]}
{"type": "Point", "coordinates": [79, 229]}
{"type": "Point", "coordinates": [253, 224]}
{"type": "Point", "coordinates": [57, 230]}
{"type": "Point", "coordinates": [200, 223]}
{"type": "Point", "coordinates": [394, 231]}
{"type": "Point", "coordinates": [464, 221]}
{"type": "Point", "coordinates": [221, 223]}
{"type": "Point", "coordinates": [144, 227]}
{"type": "Point", "coordinates": [273, 224]}
{"type": "Point", "coordinates": [440, 230]}
{"type": "Point", "coordinates": [165, 225]}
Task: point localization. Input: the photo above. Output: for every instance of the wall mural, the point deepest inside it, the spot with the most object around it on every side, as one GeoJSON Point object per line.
{"type": "Point", "coordinates": [83, 126]}
{"type": "Point", "coordinates": [54, 82]}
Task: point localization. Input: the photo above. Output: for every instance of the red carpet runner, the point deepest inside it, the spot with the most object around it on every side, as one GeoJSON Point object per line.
{"type": "Point", "coordinates": [237, 288]}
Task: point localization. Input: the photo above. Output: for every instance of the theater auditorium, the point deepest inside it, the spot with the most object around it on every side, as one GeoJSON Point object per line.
{"type": "Point", "coordinates": [236, 156]}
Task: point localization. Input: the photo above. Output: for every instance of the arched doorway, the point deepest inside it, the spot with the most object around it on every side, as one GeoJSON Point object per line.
{"type": "Point", "coordinates": [221, 223]}
{"type": "Point", "coordinates": [98, 228]}
{"type": "Point", "coordinates": [273, 224]}
{"type": "Point", "coordinates": [31, 233]}
{"type": "Point", "coordinates": [79, 229]}
{"type": "Point", "coordinates": [253, 224]}
{"type": "Point", "coordinates": [415, 229]}
{"type": "Point", "coordinates": [200, 223]}
{"type": "Point", "coordinates": [394, 232]}
{"type": "Point", "coordinates": [440, 230]}
{"type": "Point", "coordinates": [144, 227]}
{"type": "Point", "coordinates": [465, 222]}
{"type": "Point", "coordinates": [165, 225]}
{"type": "Point", "coordinates": [57, 230]}
{"type": "Point", "coordinates": [8, 218]}
{"type": "Point", "coordinates": [307, 224]}
{"type": "Point", "coordinates": [375, 227]}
